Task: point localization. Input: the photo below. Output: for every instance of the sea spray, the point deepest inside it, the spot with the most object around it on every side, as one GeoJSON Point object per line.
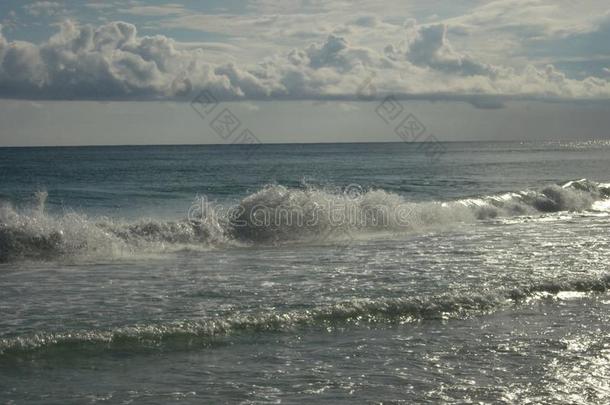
{"type": "Point", "coordinates": [275, 214]}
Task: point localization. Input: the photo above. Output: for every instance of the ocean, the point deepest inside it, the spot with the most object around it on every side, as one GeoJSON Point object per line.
{"type": "Point", "coordinates": [305, 273]}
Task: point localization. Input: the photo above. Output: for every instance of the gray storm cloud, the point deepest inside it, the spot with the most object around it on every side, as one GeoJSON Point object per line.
{"type": "Point", "coordinates": [113, 62]}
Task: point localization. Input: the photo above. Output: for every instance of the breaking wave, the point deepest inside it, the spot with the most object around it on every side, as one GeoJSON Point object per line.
{"type": "Point", "coordinates": [357, 312]}
{"type": "Point", "coordinates": [274, 214]}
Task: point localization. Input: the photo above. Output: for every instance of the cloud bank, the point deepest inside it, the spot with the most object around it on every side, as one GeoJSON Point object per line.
{"type": "Point", "coordinates": [113, 62]}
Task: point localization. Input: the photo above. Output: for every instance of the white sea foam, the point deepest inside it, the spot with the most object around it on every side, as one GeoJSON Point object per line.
{"type": "Point", "coordinates": [275, 214]}
{"type": "Point", "coordinates": [353, 312]}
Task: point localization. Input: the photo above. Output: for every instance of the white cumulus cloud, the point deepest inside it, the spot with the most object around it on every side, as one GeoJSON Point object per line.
{"type": "Point", "coordinates": [112, 61]}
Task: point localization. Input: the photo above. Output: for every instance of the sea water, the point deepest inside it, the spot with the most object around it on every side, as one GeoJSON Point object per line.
{"type": "Point", "coordinates": [326, 273]}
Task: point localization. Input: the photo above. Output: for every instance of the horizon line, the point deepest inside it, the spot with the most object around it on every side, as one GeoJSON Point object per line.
{"type": "Point", "coordinates": [296, 143]}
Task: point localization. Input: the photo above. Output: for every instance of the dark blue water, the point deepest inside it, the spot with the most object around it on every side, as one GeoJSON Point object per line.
{"type": "Point", "coordinates": [132, 180]}
{"type": "Point", "coordinates": [117, 286]}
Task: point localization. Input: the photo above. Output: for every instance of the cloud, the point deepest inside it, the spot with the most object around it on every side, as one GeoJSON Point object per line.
{"type": "Point", "coordinates": [155, 11]}
{"type": "Point", "coordinates": [529, 31]}
{"type": "Point", "coordinates": [366, 21]}
{"type": "Point", "coordinates": [334, 53]}
{"type": "Point", "coordinates": [588, 42]}
{"type": "Point", "coordinates": [529, 18]}
{"type": "Point", "coordinates": [431, 48]}
{"type": "Point", "coordinates": [113, 62]}
{"type": "Point", "coordinates": [43, 8]}
{"type": "Point", "coordinates": [100, 6]}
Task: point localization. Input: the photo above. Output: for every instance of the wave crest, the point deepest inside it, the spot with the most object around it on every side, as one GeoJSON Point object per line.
{"type": "Point", "coordinates": [275, 214]}
{"type": "Point", "coordinates": [358, 312]}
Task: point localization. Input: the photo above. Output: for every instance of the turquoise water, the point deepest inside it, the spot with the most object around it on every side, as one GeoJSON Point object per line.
{"type": "Point", "coordinates": [218, 274]}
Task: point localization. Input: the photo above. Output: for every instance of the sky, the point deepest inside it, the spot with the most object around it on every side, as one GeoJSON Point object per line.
{"type": "Point", "coordinates": [158, 72]}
